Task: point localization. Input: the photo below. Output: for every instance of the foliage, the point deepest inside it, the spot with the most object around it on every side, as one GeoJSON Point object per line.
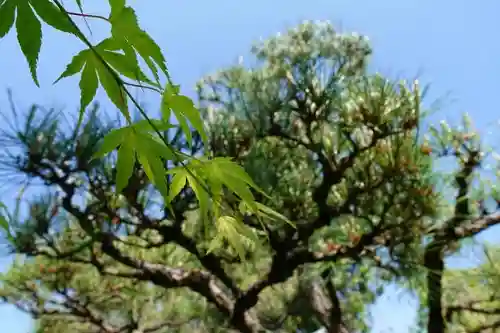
{"type": "Point", "coordinates": [108, 64]}
{"type": "Point", "coordinates": [288, 202]}
{"type": "Point", "coordinates": [333, 145]}
{"type": "Point", "coordinates": [473, 208]}
{"type": "Point", "coordinates": [472, 299]}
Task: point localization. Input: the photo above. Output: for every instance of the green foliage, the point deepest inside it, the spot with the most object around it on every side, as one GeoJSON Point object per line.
{"type": "Point", "coordinates": [107, 64]}
{"type": "Point", "coordinates": [361, 125]}
{"type": "Point", "coordinates": [28, 27]}
{"type": "Point", "coordinates": [346, 112]}
{"type": "Point", "coordinates": [184, 111]}
{"type": "Point", "coordinates": [297, 191]}
{"type": "Point", "coordinates": [472, 298]}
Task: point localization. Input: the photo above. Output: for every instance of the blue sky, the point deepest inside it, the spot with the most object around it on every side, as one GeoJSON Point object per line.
{"type": "Point", "coordinates": [453, 44]}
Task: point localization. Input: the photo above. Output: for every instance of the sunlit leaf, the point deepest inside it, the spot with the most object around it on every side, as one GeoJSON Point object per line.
{"type": "Point", "coordinates": [53, 16]}
{"type": "Point", "coordinates": [94, 71]}
{"type": "Point", "coordinates": [236, 171]}
{"type": "Point", "coordinates": [179, 180]}
{"type": "Point", "coordinates": [75, 65]}
{"type": "Point", "coordinates": [157, 149]}
{"type": "Point", "coordinates": [184, 110]}
{"type": "Point", "coordinates": [233, 231]}
{"type": "Point", "coordinates": [125, 163]}
{"type": "Point", "coordinates": [111, 141]}
{"type": "Point", "coordinates": [126, 66]}
{"type": "Point", "coordinates": [116, 6]}
{"type": "Point", "coordinates": [113, 88]}
{"type": "Point", "coordinates": [226, 225]}
{"type": "Point", "coordinates": [88, 86]}
{"type": "Point", "coordinates": [29, 36]}
{"type": "Point", "coordinates": [124, 27]}
{"type": "Point", "coordinates": [272, 214]}
{"type": "Point", "coordinates": [80, 5]}
{"type": "Point", "coordinates": [201, 194]}
{"type": "Point", "coordinates": [7, 16]}
{"type": "Point", "coordinates": [154, 167]}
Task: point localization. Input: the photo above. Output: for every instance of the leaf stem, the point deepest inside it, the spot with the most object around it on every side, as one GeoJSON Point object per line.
{"type": "Point", "coordinates": [121, 83]}
{"type": "Point", "coordinates": [142, 86]}
{"type": "Point", "coordinates": [88, 15]}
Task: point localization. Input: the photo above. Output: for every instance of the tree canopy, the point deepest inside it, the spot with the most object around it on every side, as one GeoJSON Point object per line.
{"type": "Point", "coordinates": [345, 185]}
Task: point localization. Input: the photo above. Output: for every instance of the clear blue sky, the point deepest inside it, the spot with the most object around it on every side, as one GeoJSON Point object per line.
{"type": "Point", "coordinates": [454, 44]}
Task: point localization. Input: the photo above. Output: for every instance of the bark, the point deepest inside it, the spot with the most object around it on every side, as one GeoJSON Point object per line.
{"type": "Point", "coordinates": [434, 264]}
{"type": "Point", "coordinates": [325, 302]}
{"type": "Point", "coordinates": [434, 252]}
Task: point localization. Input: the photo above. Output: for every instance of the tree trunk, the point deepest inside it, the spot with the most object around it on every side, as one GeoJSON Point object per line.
{"type": "Point", "coordinates": [434, 264]}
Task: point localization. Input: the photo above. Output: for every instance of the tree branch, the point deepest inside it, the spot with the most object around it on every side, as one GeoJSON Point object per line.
{"type": "Point", "coordinates": [434, 252]}
{"type": "Point", "coordinates": [201, 282]}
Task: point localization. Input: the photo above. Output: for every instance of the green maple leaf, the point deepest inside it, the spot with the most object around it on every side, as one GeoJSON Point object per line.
{"type": "Point", "coordinates": [184, 110]}
{"type": "Point", "coordinates": [80, 5]}
{"type": "Point", "coordinates": [234, 231]}
{"type": "Point", "coordinates": [29, 36]}
{"type": "Point", "coordinates": [125, 29]}
{"type": "Point", "coordinates": [122, 139]}
{"type": "Point", "coordinates": [29, 28]}
{"type": "Point", "coordinates": [93, 72]}
{"type": "Point", "coordinates": [125, 162]}
{"type": "Point", "coordinates": [53, 16]}
{"type": "Point", "coordinates": [90, 63]}
{"type": "Point", "coordinates": [127, 140]}
{"type": "Point", "coordinates": [7, 16]}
